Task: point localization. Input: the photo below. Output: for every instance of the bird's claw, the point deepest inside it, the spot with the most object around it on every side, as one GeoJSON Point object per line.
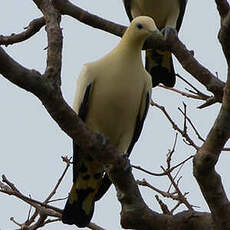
{"type": "Point", "coordinates": [167, 30]}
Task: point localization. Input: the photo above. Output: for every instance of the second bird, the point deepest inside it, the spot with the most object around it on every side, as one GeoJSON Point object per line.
{"type": "Point", "coordinates": [166, 13]}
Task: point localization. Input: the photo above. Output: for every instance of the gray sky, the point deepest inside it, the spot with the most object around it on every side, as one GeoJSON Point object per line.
{"type": "Point", "coordinates": [31, 143]}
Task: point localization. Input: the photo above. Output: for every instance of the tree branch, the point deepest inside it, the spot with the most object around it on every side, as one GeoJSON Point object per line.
{"type": "Point", "coordinates": [54, 34]}
{"type": "Point", "coordinates": [175, 126]}
{"type": "Point", "coordinates": [190, 64]}
{"type": "Point", "coordinates": [208, 155]}
{"type": "Point", "coordinates": [31, 29]}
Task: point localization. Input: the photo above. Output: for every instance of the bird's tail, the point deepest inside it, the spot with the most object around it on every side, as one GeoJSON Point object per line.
{"type": "Point", "coordinates": [79, 207]}
{"type": "Point", "coordinates": [160, 65]}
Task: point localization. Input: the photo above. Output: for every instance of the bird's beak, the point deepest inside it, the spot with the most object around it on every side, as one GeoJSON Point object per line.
{"type": "Point", "coordinates": [156, 33]}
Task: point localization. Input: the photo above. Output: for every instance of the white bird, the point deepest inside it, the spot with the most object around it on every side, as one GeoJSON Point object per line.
{"type": "Point", "coordinates": [112, 98]}
{"type": "Point", "coordinates": [166, 13]}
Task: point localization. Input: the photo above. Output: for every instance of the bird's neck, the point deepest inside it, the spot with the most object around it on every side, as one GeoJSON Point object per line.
{"type": "Point", "coordinates": [130, 48]}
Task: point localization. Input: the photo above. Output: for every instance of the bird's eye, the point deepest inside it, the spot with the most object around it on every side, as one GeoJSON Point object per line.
{"type": "Point", "coordinates": [139, 26]}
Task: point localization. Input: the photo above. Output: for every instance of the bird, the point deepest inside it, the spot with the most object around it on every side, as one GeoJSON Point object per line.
{"type": "Point", "coordinates": [107, 104]}
{"type": "Point", "coordinates": [166, 14]}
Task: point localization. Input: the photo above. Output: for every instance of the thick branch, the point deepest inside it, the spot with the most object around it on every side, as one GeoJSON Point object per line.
{"type": "Point", "coordinates": [208, 155]}
{"type": "Point", "coordinates": [29, 80]}
{"type": "Point", "coordinates": [190, 64]}
{"type": "Point", "coordinates": [54, 34]}
{"type": "Point", "coordinates": [67, 8]}
{"type": "Point", "coordinates": [223, 7]}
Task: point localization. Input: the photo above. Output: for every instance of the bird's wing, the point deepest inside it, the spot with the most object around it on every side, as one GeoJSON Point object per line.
{"type": "Point", "coordinates": [181, 14]}
{"type": "Point", "coordinates": [144, 106]}
{"type": "Point", "coordinates": [79, 206]}
{"type": "Point", "coordinates": [80, 106]}
{"type": "Point", "coordinates": [84, 81]}
{"type": "Point", "coordinates": [127, 4]}
{"type": "Point", "coordinates": [83, 109]}
{"type": "Point", "coordinates": [140, 119]}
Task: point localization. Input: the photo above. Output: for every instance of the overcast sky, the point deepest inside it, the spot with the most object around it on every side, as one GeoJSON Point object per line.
{"type": "Point", "coordinates": [31, 143]}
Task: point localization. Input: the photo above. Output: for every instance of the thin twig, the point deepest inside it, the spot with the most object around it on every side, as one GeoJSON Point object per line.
{"type": "Point", "coordinates": [144, 183]}
{"type": "Point", "coordinates": [181, 196]}
{"type": "Point", "coordinates": [185, 94]}
{"type": "Point", "coordinates": [167, 170]}
{"type": "Point", "coordinates": [176, 206]}
{"type": "Point", "coordinates": [169, 158]}
{"type": "Point", "coordinates": [35, 203]}
{"type": "Point", "coordinates": [67, 161]}
{"type": "Point", "coordinates": [94, 227]}
{"type": "Point", "coordinates": [163, 206]}
{"type": "Point", "coordinates": [197, 92]}
{"type": "Point", "coordinates": [192, 125]}
{"type": "Point", "coordinates": [177, 173]}
{"type": "Point", "coordinates": [174, 125]}
{"type": "Point", "coordinates": [56, 200]}
{"type": "Point", "coordinates": [185, 117]}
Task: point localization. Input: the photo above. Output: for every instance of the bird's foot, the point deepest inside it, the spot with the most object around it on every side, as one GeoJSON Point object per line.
{"type": "Point", "coordinates": [167, 30]}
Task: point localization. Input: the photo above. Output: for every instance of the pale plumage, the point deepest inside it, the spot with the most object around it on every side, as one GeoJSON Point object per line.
{"type": "Point", "coordinates": [166, 13]}
{"type": "Point", "coordinates": [112, 97]}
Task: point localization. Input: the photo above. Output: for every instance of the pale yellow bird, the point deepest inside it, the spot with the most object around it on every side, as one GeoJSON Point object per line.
{"type": "Point", "coordinates": [112, 98]}
{"type": "Point", "coordinates": [166, 13]}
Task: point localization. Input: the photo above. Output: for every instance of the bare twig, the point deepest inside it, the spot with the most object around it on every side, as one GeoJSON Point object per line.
{"type": "Point", "coordinates": [175, 126]}
{"type": "Point", "coordinates": [163, 206]}
{"type": "Point", "coordinates": [175, 207]}
{"type": "Point", "coordinates": [94, 227]}
{"type": "Point", "coordinates": [181, 196]}
{"type": "Point", "coordinates": [196, 92]}
{"type": "Point", "coordinates": [192, 125]}
{"type": "Point", "coordinates": [177, 173]}
{"type": "Point", "coordinates": [185, 118]}
{"type": "Point", "coordinates": [169, 156]}
{"type": "Point", "coordinates": [144, 183]}
{"type": "Point", "coordinates": [67, 161]}
{"type": "Point", "coordinates": [31, 29]}
{"type": "Point", "coordinates": [36, 204]}
{"type": "Point", "coordinates": [11, 185]}
{"type": "Point", "coordinates": [164, 173]}
{"type": "Point", "coordinates": [185, 94]}
{"type": "Point", "coordinates": [56, 200]}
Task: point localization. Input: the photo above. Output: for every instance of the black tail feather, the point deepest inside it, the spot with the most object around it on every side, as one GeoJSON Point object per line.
{"type": "Point", "coordinates": [160, 66]}
{"type": "Point", "coordinates": [80, 210]}
{"type": "Point", "coordinates": [74, 214]}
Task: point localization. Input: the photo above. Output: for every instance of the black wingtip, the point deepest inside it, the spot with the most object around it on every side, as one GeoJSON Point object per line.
{"type": "Point", "coordinates": [74, 214]}
{"type": "Point", "coordinates": [162, 75]}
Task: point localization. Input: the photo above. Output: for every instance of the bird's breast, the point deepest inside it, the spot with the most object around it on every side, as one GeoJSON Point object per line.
{"type": "Point", "coordinates": [159, 10]}
{"type": "Point", "coordinates": [113, 108]}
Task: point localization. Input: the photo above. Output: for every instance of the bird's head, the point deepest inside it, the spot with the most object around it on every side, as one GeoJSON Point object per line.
{"type": "Point", "coordinates": [143, 27]}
